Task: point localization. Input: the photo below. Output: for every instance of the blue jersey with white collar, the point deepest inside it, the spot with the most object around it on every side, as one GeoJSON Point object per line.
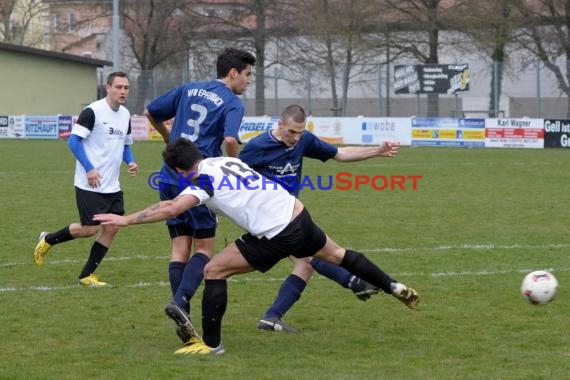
{"type": "Point", "coordinates": [275, 160]}
{"type": "Point", "coordinates": [203, 112]}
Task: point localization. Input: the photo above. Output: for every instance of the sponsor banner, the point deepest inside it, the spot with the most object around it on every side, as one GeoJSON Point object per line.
{"type": "Point", "coordinates": [64, 124]}
{"type": "Point", "coordinates": [336, 130]}
{"type": "Point", "coordinates": [254, 126]}
{"type": "Point", "coordinates": [3, 126]}
{"type": "Point", "coordinates": [556, 133]}
{"type": "Point", "coordinates": [328, 129]}
{"type": "Point", "coordinates": [431, 79]}
{"type": "Point", "coordinates": [153, 135]}
{"type": "Point", "coordinates": [514, 133]}
{"type": "Point", "coordinates": [41, 127]}
{"type": "Point", "coordinates": [430, 131]}
{"type": "Point", "coordinates": [375, 130]}
{"type": "Point", "coordinates": [139, 129]}
{"type": "Point", "coordinates": [16, 126]}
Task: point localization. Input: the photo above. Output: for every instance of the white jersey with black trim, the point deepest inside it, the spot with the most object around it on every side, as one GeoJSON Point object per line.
{"type": "Point", "coordinates": [230, 187]}
{"type": "Point", "coordinates": [104, 143]}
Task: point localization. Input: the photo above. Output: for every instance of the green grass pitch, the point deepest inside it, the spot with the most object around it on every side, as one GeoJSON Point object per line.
{"type": "Point", "coordinates": [479, 220]}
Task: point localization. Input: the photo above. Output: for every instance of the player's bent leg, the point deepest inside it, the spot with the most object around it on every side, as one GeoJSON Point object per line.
{"type": "Point", "coordinates": [83, 231]}
{"type": "Point", "coordinates": [302, 267]}
{"type": "Point", "coordinates": [215, 297]}
{"type": "Point", "coordinates": [193, 273]}
{"type": "Point", "coordinates": [362, 267]}
{"type": "Point", "coordinates": [360, 288]}
{"type": "Point", "coordinates": [227, 263]}
{"type": "Point", "coordinates": [181, 247]}
{"type": "Point", "coordinates": [289, 293]}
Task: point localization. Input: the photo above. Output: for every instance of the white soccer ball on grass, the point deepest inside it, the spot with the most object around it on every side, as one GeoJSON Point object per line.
{"type": "Point", "coordinates": [539, 287]}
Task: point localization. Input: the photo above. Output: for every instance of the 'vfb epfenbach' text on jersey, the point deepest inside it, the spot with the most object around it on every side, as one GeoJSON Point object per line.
{"type": "Point", "coordinates": [203, 112]}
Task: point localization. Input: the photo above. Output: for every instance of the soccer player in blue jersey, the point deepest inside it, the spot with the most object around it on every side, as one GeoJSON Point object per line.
{"type": "Point", "coordinates": [208, 114]}
{"type": "Point", "coordinates": [278, 154]}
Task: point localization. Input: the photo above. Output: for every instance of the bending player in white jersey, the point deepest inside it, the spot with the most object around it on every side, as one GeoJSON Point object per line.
{"type": "Point", "coordinates": [277, 226]}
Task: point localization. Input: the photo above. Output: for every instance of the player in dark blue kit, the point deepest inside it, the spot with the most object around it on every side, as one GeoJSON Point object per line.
{"type": "Point", "coordinates": [208, 114]}
{"type": "Point", "coordinates": [278, 154]}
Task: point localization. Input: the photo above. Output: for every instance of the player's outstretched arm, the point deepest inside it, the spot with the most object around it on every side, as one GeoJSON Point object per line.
{"type": "Point", "coordinates": [160, 211]}
{"type": "Point", "coordinates": [358, 153]}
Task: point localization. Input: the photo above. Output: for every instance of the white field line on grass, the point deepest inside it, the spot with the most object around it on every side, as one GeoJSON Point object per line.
{"type": "Point", "coordinates": [474, 247]}
{"type": "Point", "coordinates": [441, 248]}
{"type": "Point", "coordinates": [244, 279]}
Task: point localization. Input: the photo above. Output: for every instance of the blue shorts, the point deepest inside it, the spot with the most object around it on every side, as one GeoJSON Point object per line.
{"type": "Point", "coordinates": [201, 220]}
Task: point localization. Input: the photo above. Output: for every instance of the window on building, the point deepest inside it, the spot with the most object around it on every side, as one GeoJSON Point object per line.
{"type": "Point", "coordinates": [56, 22]}
{"type": "Point", "coordinates": [70, 22]}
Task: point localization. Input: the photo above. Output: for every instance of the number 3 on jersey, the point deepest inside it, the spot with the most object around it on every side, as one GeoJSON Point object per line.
{"type": "Point", "coordinates": [195, 123]}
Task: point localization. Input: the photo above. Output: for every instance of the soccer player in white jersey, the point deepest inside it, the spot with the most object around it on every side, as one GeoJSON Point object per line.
{"type": "Point", "coordinates": [100, 140]}
{"type": "Point", "coordinates": [277, 226]}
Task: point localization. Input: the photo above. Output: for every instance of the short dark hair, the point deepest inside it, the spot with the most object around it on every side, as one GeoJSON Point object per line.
{"type": "Point", "coordinates": [232, 58]}
{"type": "Point", "coordinates": [115, 74]}
{"type": "Point", "coordinates": [182, 154]}
{"type": "Point", "coordinates": [295, 112]}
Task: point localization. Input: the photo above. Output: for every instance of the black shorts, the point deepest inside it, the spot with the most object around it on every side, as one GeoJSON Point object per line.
{"type": "Point", "coordinates": [301, 238]}
{"type": "Point", "coordinates": [90, 203]}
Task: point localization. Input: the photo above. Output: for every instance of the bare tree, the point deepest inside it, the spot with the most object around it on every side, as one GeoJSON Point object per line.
{"type": "Point", "coordinates": [337, 39]}
{"type": "Point", "coordinates": [491, 27]}
{"type": "Point", "coordinates": [422, 20]}
{"type": "Point", "coordinates": [545, 33]}
{"type": "Point", "coordinates": [248, 24]}
{"type": "Point", "coordinates": [18, 17]}
{"type": "Point", "coordinates": [155, 30]}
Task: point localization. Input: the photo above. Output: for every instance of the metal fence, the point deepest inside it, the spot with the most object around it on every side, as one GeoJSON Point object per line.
{"type": "Point", "coordinates": [525, 91]}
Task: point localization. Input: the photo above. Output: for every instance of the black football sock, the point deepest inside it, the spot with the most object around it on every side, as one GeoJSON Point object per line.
{"type": "Point", "coordinates": [357, 264]}
{"type": "Point", "coordinates": [98, 252]}
{"type": "Point", "coordinates": [214, 302]}
{"type": "Point", "coordinates": [60, 236]}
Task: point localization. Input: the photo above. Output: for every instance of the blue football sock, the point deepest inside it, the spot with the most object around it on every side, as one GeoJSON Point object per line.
{"type": "Point", "coordinates": [289, 292]}
{"type": "Point", "coordinates": [332, 271]}
{"type": "Point", "coordinates": [191, 280]}
{"type": "Point", "coordinates": [175, 270]}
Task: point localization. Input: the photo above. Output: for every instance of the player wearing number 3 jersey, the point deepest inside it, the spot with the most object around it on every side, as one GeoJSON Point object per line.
{"type": "Point", "coordinates": [208, 114]}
